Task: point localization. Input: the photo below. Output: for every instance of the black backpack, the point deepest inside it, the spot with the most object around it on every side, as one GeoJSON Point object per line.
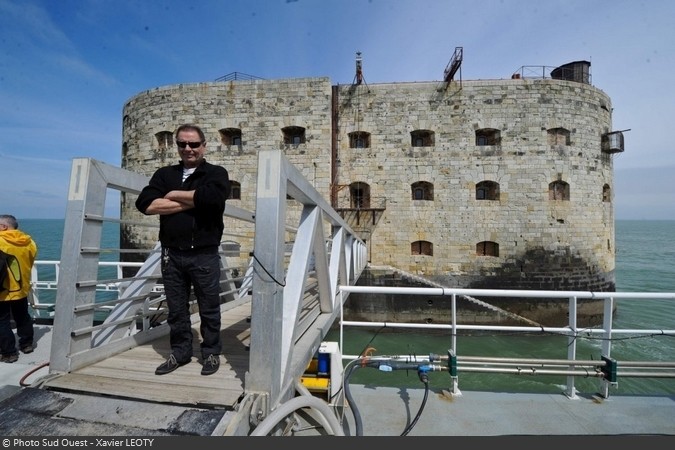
{"type": "Point", "coordinates": [5, 261]}
{"type": "Point", "coordinates": [4, 270]}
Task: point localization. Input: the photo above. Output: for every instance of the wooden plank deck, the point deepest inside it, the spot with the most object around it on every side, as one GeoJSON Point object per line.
{"type": "Point", "coordinates": [131, 374]}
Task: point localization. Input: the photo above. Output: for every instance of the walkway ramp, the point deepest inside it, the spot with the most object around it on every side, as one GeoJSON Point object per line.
{"type": "Point", "coordinates": [131, 374]}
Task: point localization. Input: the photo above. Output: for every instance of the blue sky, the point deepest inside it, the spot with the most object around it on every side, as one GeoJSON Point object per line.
{"type": "Point", "coordinates": [67, 67]}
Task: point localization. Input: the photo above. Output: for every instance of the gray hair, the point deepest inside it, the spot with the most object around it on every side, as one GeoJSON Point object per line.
{"type": "Point", "coordinates": [10, 221]}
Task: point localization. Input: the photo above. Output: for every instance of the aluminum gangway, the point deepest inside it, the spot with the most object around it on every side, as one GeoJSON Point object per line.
{"type": "Point", "coordinates": [283, 264]}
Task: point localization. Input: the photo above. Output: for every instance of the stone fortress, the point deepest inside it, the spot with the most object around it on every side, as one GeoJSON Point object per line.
{"type": "Point", "coordinates": [503, 183]}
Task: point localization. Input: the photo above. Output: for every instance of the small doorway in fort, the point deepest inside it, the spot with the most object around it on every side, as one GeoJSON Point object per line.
{"type": "Point", "coordinates": [359, 194]}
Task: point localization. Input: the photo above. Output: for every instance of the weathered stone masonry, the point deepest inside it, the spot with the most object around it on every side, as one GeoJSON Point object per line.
{"type": "Point", "coordinates": [543, 243]}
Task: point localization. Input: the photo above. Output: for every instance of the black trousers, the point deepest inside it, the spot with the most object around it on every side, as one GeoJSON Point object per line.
{"type": "Point", "coordinates": [24, 325]}
{"type": "Point", "coordinates": [198, 269]}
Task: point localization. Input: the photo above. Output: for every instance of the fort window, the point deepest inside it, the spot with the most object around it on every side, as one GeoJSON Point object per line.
{"type": "Point", "coordinates": [487, 190]}
{"type": "Point", "coordinates": [422, 190]}
{"type": "Point", "coordinates": [606, 193]}
{"type": "Point", "coordinates": [359, 139]}
{"type": "Point", "coordinates": [235, 190]}
{"type": "Point", "coordinates": [488, 136]}
{"type": "Point", "coordinates": [558, 136]}
{"type": "Point", "coordinates": [164, 140]}
{"type": "Point", "coordinates": [422, 138]}
{"type": "Point", "coordinates": [422, 248]}
{"type": "Point", "coordinates": [359, 195]}
{"type": "Point", "coordinates": [293, 135]}
{"type": "Point", "coordinates": [559, 190]}
{"type": "Point", "coordinates": [230, 136]}
{"type": "Point", "coordinates": [487, 248]}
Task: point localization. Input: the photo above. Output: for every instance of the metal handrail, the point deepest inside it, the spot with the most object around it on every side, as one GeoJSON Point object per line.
{"type": "Point", "coordinates": [571, 331]}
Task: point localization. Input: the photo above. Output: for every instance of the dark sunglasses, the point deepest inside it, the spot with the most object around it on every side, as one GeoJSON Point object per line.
{"type": "Point", "coordinates": [182, 144]}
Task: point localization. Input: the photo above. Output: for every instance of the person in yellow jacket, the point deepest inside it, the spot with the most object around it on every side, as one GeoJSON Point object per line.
{"type": "Point", "coordinates": [18, 252]}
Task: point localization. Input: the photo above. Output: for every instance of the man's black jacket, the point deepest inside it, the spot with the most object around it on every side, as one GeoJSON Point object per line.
{"type": "Point", "coordinates": [201, 226]}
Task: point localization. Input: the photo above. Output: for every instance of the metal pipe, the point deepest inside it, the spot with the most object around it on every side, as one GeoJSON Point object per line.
{"type": "Point", "coordinates": [646, 374]}
{"type": "Point", "coordinates": [484, 359]}
{"type": "Point", "coordinates": [564, 331]}
{"type": "Point", "coordinates": [533, 371]}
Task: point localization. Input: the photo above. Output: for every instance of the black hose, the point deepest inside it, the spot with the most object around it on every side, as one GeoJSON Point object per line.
{"type": "Point", "coordinates": [425, 380]}
{"type": "Point", "coordinates": [423, 375]}
{"type": "Point", "coordinates": [350, 400]}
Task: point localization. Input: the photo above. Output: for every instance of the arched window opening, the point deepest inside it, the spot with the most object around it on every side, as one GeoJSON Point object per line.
{"type": "Point", "coordinates": [422, 138]}
{"type": "Point", "coordinates": [164, 140]}
{"type": "Point", "coordinates": [293, 135]}
{"type": "Point", "coordinates": [422, 248]}
{"type": "Point", "coordinates": [230, 136]}
{"type": "Point", "coordinates": [487, 248]}
{"type": "Point", "coordinates": [559, 190]}
{"type": "Point", "coordinates": [359, 139]}
{"type": "Point", "coordinates": [558, 136]}
{"type": "Point", "coordinates": [422, 190]}
{"type": "Point", "coordinates": [488, 136]}
{"type": "Point", "coordinates": [359, 195]}
{"type": "Point", "coordinates": [235, 190]}
{"type": "Point", "coordinates": [606, 193]}
{"type": "Point", "coordinates": [487, 190]}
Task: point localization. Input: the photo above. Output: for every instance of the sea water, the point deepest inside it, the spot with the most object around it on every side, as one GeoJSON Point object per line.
{"type": "Point", "coordinates": [645, 262]}
{"type": "Point", "coordinates": [48, 235]}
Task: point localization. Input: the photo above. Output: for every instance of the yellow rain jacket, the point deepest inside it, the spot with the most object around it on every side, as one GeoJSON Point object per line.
{"type": "Point", "coordinates": [22, 251]}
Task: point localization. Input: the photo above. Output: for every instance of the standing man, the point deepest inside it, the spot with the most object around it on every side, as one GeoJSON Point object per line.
{"type": "Point", "coordinates": [189, 198]}
{"type": "Point", "coordinates": [18, 252]}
